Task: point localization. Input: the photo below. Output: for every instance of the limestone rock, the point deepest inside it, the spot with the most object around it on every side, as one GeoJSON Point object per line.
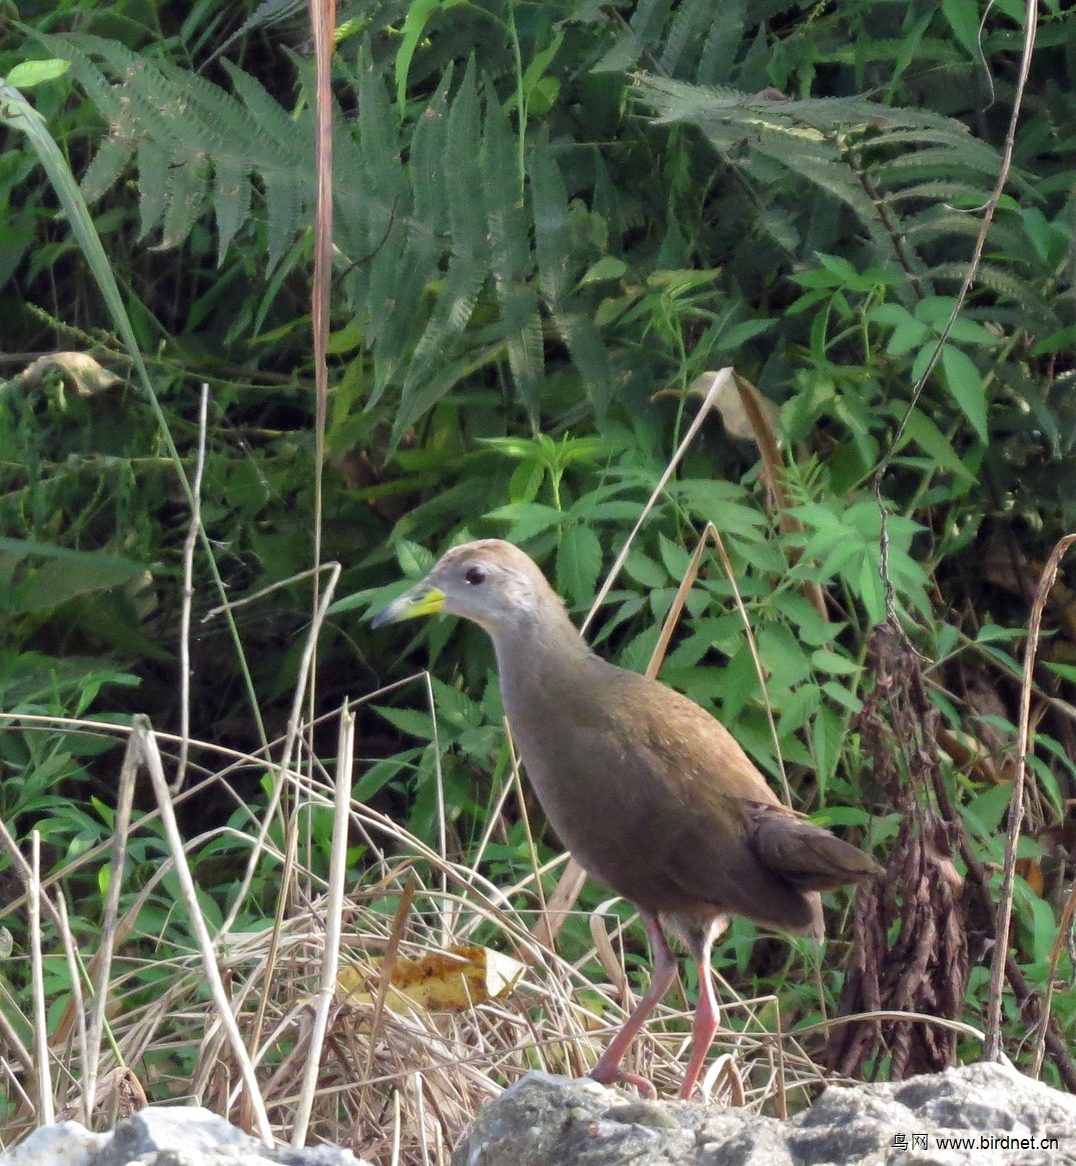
{"type": "Point", "coordinates": [165, 1136]}
{"type": "Point", "coordinates": [986, 1113]}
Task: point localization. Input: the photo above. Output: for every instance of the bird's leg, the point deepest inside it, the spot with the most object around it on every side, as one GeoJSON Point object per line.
{"type": "Point", "coordinates": [707, 1012]}
{"type": "Point", "coordinates": [608, 1070]}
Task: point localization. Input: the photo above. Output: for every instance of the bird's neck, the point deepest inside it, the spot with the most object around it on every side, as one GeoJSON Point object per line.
{"type": "Point", "coordinates": [535, 656]}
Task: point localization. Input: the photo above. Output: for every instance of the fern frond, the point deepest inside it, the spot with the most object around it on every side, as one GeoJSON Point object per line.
{"type": "Point", "coordinates": [152, 171]}
{"type": "Point", "coordinates": [186, 186]}
{"type": "Point", "coordinates": [185, 129]}
{"type": "Point", "coordinates": [1002, 281]}
{"type": "Point", "coordinates": [231, 200]}
{"type": "Point", "coordinates": [441, 259]}
{"type": "Point", "coordinates": [112, 158]}
{"type": "Point", "coordinates": [511, 259]}
{"type": "Point", "coordinates": [549, 211]}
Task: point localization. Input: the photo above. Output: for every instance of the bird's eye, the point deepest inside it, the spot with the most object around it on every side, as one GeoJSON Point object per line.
{"type": "Point", "coordinates": [475, 576]}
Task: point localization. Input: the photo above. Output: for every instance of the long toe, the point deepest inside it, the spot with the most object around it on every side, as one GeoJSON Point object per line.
{"type": "Point", "coordinates": [620, 1076]}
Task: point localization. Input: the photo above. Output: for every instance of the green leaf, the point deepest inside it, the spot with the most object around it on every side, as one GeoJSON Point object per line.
{"type": "Point", "coordinates": [964, 19]}
{"type": "Point", "coordinates": [608, 267]}
{"type": "Point", "coordinates": [833, 663]}
{"type": "Point", "coordinates": [908, 332]}
{"type": "Point", "coordinates": [827, 738]}
{"type": "Point", "coordinates": [965, 384]}
{"type": "Point", "coordinates": [528, 519]}
{"type": "Point", "coordinates": [930, 439]}
{"type": "Point", "coordinates": [409, 721]}
{"type": "Point", "coordinates": [65, 574]}
{"type": "Point", "coordinates": [990, 633]}
{"type": "Point", "coordinates": [871, 592]}
{"type": "Point", "coordinates": [414, 560]}
{"type": "Point", "coordinates": [579, 562]}
{"type": "Point", "coordinates": [644, 570]}
{"type": "Point", "coordinates": [27, 74]}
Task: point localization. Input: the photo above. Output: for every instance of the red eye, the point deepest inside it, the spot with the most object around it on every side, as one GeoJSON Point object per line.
{"type": "Point", "coordinates": [475, 576]}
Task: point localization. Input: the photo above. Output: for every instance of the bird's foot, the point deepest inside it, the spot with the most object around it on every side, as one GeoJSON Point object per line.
{"type": "Point", "coordinates": [618, 1076]}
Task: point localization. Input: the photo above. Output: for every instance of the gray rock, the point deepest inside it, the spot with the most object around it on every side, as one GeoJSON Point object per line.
{"type": "Point", "coordinates": [165, 1136]}
{"type": "Point", "coordinates": [65, 1144]}
{"type": "Point", "coordinates": [987, 1114]}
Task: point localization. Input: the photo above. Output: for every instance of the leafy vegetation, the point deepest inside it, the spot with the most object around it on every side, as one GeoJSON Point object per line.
{"type": "Point", "coordinates": [550, 221]}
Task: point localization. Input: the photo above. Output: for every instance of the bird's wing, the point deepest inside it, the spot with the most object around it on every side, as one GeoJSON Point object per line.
{"type": "Point", "coordinates": [804, 854]}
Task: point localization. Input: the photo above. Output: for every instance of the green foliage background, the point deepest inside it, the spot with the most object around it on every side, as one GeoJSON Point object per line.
{"type": "Point", "coordinates": [550, 219]}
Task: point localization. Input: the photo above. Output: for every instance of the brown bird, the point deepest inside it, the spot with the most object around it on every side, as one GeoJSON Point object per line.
{"type": "Point", "coordinates": [652, 796]}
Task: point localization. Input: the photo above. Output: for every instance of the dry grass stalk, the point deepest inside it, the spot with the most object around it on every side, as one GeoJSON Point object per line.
{"type": "Point", "coordinates": [412, 1080]}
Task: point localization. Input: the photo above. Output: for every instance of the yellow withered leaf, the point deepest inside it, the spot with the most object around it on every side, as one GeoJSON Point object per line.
{"type": "Point", "coordinates": [85, 374]}
{"type": "Point", "coordinates": [440, 981]}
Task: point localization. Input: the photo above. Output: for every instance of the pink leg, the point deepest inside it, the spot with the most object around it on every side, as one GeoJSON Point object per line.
{"type": "Point", "coordinates": [608, 1070]}
{"type": "Point", "coordinates": [704, 1027]}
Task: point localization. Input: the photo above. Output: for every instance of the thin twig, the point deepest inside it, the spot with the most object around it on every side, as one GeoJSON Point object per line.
{"type": "Point", "coordinates": [334, 912]}
{"type": "Point", "coordinates": [1016, 803]}
{"type": "Point", "coordinates": [388, 959]}
{"type": "Point", "coordinates": [74, 974]}
{"type": "Point", "coordinates": [290, 740]}
{"type": "Point", "coordinates": [45, 1113]}
{"type": "Point", "coordinates": [1064, 927]}
{"type": "Point", "coordinates": [187, 598]}
{"type": "Point", "coordinates": [132, 759]}
{"type": "Point", "coordinates": [142, 734]}
{"type": "Point", "coordinates": [721, 379]}
{"type": "Point", "coordinates": [756, 658]}
{"type": "Point", "coordinates": [989, 210]}
{"type": "Point", "coordinates": [25, 871]}
{"type": "Point", "coordinates": [897, 1014]}
{"type": "Point", "coordinates": [439, 788]}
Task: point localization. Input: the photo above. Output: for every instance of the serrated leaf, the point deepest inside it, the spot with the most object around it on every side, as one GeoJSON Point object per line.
{"type": "Point", "coordinates": [415, 560]}
{"type": "Point", "coordinates": [963, 17]}
{"type": "Point", "coordinates": [965, 385]}
{"type": "Point", "coordinates": [527, 519]}
{"type": "Point", "coordinates": [409, 721]}
{"type": "Point", "coordinates": [579, 562]}
{"type": "Point", "coordinates": [919, 428]}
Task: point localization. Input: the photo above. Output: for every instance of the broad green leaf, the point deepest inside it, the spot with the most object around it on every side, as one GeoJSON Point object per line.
{"type": "Point", "coordinates": [644, 570]}
{"type": "Point", "coordinates": [871, 592]}
{"type": "Point", "coordinates": [908, 332]}
{"type": "Point", "coordinates": [579, 561]}
{"type": "Point", "coordinates": [608, 267]}
{"type": "Point", "coordinates": [409, 721]}
{"type": "Point", "coordinates": [843, 697]}
{"type": "Point", "coordinates": [965, 384]}
{"type": "Point", "coordinates": [27, 74]}
{"type": "Point", "coordinates": [827, 737]}
{"type": "Point", "coordinates": [527, 519]}
{"type": "Point", "coordinates": [65, 575]}
{"type": "Point", "coordinates": [782, 655]}
{"type": "Point", "coordinates": [930, 439]}
{"type": "Point", "coordinates": [964, 17]}
{"type": "Point", "coordinates": [833, 663]}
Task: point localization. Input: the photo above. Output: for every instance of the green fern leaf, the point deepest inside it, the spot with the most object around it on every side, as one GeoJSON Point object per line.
{"type": "Point", "coordinates": [152, 185]}
{"type": "Point", "coordinates": [185, 194]}
{"type": "Point", "coordinates": [552, 230]}
{"type": "Point", "coordinates": [511, 259]}
{"type": "Point", "coordinates": [231, 200]}
{"type": "Point", "coordinates": [103, 172]}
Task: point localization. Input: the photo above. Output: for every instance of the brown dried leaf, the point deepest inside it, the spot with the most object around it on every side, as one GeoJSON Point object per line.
{"type": "Point", "coordinates": [119, 1094]}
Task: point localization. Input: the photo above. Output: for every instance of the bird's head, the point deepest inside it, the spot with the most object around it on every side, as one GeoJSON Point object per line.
{"type": "Point", "coordinates": [490, 582]}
